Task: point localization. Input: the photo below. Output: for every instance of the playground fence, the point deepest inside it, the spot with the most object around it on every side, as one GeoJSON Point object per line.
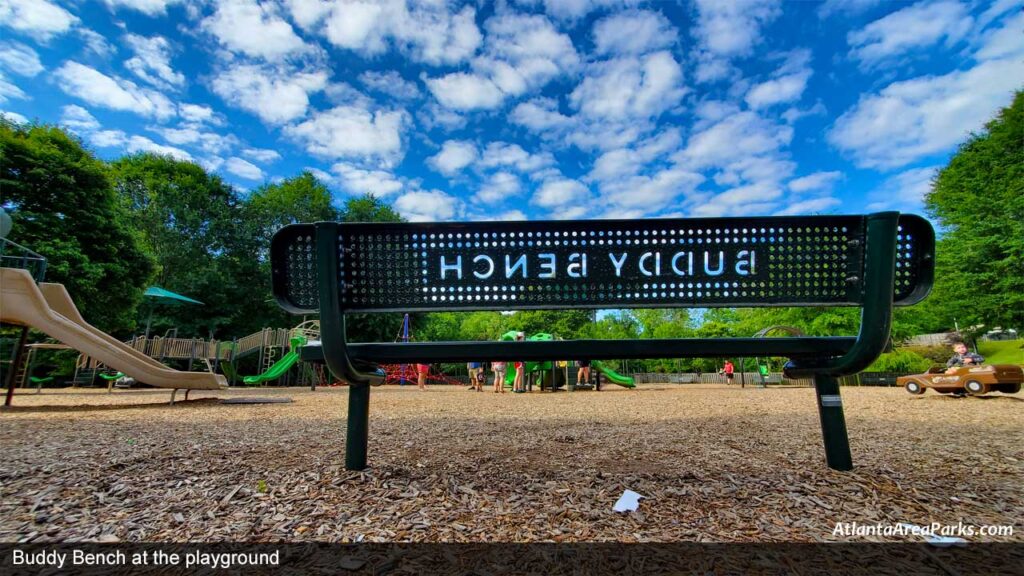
{"type": "Point", "coordinates": [754, 379]}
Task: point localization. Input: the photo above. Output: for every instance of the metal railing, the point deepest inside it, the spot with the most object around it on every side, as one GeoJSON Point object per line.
{"type": "Point", "coordinates": [14, 255]}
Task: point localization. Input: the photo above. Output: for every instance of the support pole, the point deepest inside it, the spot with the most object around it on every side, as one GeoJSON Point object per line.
{"type": "Point", "coordinates": [833, 423]}
{"type": "Point", "coordinates": [357, 437]}
{"type": "Point", "coordinates": [15, 364]}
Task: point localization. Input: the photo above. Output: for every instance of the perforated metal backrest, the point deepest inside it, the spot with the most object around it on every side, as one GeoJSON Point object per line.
{"type": "Point", "coordinates": [734, 262]}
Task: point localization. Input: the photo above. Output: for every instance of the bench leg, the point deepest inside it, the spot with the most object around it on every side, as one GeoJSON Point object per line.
{"type": "Point", "coordinates": [833, 423]}
{"type": "Point", "coordinates": [358, 426]}
{"type": "Point", "coordinates": [173, 392]}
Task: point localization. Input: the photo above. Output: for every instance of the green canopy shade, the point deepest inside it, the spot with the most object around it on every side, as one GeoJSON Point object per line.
{"type": "Point", "coordinates": [165, 297]}
{"type": "Point", "coordinates": [162, 294]}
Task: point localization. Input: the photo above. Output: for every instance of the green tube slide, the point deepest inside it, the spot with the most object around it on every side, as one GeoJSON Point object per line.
{"type": "Point", "coordinates": [613, 376]}
{"type": "Point", "coordinates": [281, 366]}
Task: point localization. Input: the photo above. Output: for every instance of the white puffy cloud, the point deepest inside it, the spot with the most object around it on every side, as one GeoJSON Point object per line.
{"type": "Point", "coordinates": [78, 119]}
{"type": "Point", "coordinates": [809, 206]}
{"type": "Point", "coordinates": [390, 83]}
{"type": "Point", "coordinates": [505, 155]}
{"type": "Point", "coordinates": [274, 94]}
{"type": "Point", "coordinates": [817, 181]}
{"type": "Point", "coordinates": [914, 118]}
{"type": "Point", "coordinates": [261, 155]}
{"type": "Point", "coordinates": [625, 88]}
{"type": "Point", "coordinates": [9, 90]}
{"type": "Point", "coordinates": [830, 8]}
{"type": "Point", "coordinates": [1003, 42]}
{"type": "Point", "coordinates": [572, 10]}
{"type": "Point", "coordinates": [428, 32]}
{"type": "Point", "coordinates": [561, 192]}
{"type": "Point", "coordinates": [453, 157]}
{"type": "Point", "coordinates": [731, 29]}
{"type": "Point", "coordinates": [353, 132]}
{"type": "Point", "coordinates": [143, 144]}
{"type": "Point", "coordinates": [198, 114]}
{"type": "Point", "coordinates": [747, 200]}
{"type": "Point", "coordinates": [19, 59]}
{"type": "Point", "coordinates": [737, 136]}
{"type": "Point", "coordinates": [465, 91]}
{"type": "Point", "coordinates": [96, 43]}
{"type": "Point", "coordinates": [914, 27]}
{"type": "Point", "coordinates": [366, 181]}
{"type": "Point", "coordinates": [133, 144]}
{"type": "Point", "coordinates": [253, 29]}
{"type": "Point", "coordinates": [243, 168]}
{"type": "Point", "coordinates": [194, 136]}
{"type": "Point", "coordinates": [104, 91]}
{"type": "Point", "coordinates": [633, 32]}
{"type": "Point", "coordinates": [152, 61]}
{"type": "Point", "coordinates": [781, 90]}
{"type": "Point", "coordinates": [40, 19]}
{"type": "Point", "coordinates": [523, 53]}
{"type": "Point", "coordinates": [728, 30]}
{"type": "Point", "coordinates": [498, 187]}
{"type": "Point", "coordinates": [13, 117]}
{"type": "Point", "coordinates": [540, 115]}
{"type": "Point", "coordinates": [621, 162]}
{"type": "Point", "coordinates": [427, 206]}
{"type": "Point", "coordinates": [904, 191]}
{"type": "Point", "coordinates": [147, 7]}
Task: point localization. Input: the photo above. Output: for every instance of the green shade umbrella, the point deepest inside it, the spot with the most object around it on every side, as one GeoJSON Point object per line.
{"type": "Point", "coordinates": [163, 296]}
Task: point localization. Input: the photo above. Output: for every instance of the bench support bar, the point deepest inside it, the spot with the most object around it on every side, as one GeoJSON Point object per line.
{"type": "Point", "coordinates": [833, 423]}
{"type": "Point", "coordinates": [358, 426]}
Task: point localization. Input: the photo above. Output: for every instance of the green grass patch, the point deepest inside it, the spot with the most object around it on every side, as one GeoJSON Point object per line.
{"type": "Point", "coordinates": [1002, 352]}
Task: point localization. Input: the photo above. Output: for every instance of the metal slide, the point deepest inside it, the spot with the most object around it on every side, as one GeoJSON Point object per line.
{"type": "Point", "coordinates": [23, 303]}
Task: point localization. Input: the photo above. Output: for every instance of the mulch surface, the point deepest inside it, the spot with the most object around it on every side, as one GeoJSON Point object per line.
{"type": "Point", "coordinates": [715, 463]}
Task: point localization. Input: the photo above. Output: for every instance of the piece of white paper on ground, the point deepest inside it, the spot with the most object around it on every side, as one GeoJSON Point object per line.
{"type": "Point", "coordinates": [628, 502]}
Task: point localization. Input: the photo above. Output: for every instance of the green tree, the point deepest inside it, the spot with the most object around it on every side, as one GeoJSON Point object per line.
{"type": "Point", "coordinates": [369, 208]}
{"type": "Point", "coordinates": [64, 207]}
{"type": "Point", "coordinates": [303, 198]}
{"type": "Point", "coordinates": [978, 200]}
{"type": "Point", "coordinates": [196, 225]}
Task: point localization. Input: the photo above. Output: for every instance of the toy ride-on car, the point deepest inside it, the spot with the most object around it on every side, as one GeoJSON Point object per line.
{"type": "Point", "coordinates": [972, 380]}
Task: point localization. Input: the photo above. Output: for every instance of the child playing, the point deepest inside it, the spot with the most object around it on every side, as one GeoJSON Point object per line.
{"type": "Point", "coordinates": [499, 376]}
{"type": "Point", "coordinates": [421, 372]}
{"type": "Point", "coordinates": [962, 357]}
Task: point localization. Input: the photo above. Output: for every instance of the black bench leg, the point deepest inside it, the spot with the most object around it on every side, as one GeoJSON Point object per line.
{"type": "Point", "coordinates": [833, 423]}
{"type": "Point", "coordinates": [358, 426]}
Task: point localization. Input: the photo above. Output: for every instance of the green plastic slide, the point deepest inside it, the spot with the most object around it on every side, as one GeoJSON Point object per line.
{"type": "Point", "coordinates": [281, 366]}
{"type": "Point", "coordinates": [613, 376]}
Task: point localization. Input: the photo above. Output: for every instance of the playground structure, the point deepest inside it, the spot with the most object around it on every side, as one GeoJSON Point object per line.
{"type": "Point", "coordinates": [49, 309]}
{"type": "Point", "coordinates": [553, 375]}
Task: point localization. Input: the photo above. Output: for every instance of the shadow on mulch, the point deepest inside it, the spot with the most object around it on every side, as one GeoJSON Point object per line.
{"type": "Point", "coordinates": [198, 402]}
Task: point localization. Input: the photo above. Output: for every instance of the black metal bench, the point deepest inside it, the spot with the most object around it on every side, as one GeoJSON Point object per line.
{"type": "Point", "coordinates": [873, 262]}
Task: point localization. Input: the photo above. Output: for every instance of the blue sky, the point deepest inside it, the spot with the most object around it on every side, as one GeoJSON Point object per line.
{"type": "Point", "coordinates": [530, 108]}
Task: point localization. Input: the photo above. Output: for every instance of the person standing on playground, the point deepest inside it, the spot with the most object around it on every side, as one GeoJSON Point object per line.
{"type": "Point", "coordinates": [729, 369]}
{"type": "Point", "coordinates": [499, 376]}
{"type": "Point", "coordinates": [421, 375]}
{"type": "Point", "coordinates": [517, 384]}
{"type": "Point", "coordinates": [474, 371]}
{"type": "Point", "coordinates": [583, 373]}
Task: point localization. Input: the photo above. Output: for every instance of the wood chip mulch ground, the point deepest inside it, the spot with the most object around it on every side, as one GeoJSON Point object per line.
{"type": "Point", "coordinates": [715, 463]}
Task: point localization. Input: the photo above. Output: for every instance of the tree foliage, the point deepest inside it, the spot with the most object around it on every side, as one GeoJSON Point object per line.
{"type": "Point", "coordinates": [64, 207]}
{"type": "Point", "coordinates": [978, 200]}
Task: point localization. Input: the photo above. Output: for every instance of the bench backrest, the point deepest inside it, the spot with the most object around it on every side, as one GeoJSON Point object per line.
{"type": "Point", "coordinates": [722, 262]}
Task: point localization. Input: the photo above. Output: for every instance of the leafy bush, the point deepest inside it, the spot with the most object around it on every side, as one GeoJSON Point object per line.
{"type": "Point", "coordinates": [936, 354]}
{"type": "Point", "coordinates": [903, 360]}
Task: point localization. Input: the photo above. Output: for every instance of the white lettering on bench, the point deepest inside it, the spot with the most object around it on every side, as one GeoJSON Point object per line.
{"type": "Point", "coordinates": [577, 269]}
{"type": "Point", "coordinates": [689, 263]}
{"type": "Point", "coordinates": [490, 269]}
{"type": "Point", "coordinates": [745, 267]}
{"type": "Point", "coordinates": [618, 263]}
{"type": "Point", "coordinates": [721, 264]}
{"type": "Point", "coordinates": [648, 264]}
{"type": "Point", "coordinates": [549, 265]}
{"type": "Point", "coordinates": [510, 268]}
{"type": "Point", "coordinates": [456, 267]}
